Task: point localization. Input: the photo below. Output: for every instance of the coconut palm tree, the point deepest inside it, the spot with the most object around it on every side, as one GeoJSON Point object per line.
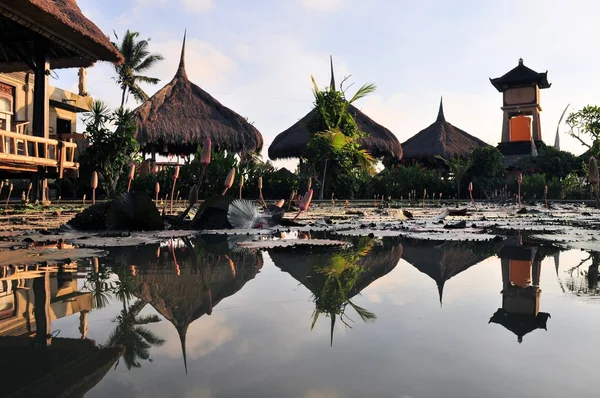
{"type": "Point", "coordinates": [133, 336]}
{"type": "Point", "coordinates": [138, 59]}
{"type": "Point", "coordinates": [458, 166]}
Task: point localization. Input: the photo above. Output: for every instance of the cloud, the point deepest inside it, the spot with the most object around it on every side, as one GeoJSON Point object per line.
{"type": "Point", "coordinates": [324, 5]}
{"type": "Point", "coordinates": [198, 5]}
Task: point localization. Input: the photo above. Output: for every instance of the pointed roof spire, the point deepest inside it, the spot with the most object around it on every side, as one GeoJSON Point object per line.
{"type": "Point", "coordinates": [182, 331]}
{"type": "Point", "coordinates": [332, 327]}
{"type": "Point", "coordinates": [441, 290]}
{"type": "Point", "coordinates": [332, 83]}
{"type": "Point", "coordinates": [181, 70]}
{"type": "Point", "coordinates": [440, 116]}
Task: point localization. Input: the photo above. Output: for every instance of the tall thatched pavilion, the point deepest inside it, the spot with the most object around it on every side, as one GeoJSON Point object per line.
{"type": "Point", "coordinates": [440, 139]}
{"type": "Point", "coordinates": [380, 142]}
{"type": "Point", "coordinates": [178, 118]}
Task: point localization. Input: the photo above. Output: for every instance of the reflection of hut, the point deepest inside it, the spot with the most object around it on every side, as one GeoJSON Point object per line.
{"type": "Point", "coordinates": [335, 276]}
{"type": "Point", "coordinates": [52, 367]}
{"type": "Point", "coordinates": [195, 281]}
{"type": "Point", "coordinates": [380, 142]}
{"type": "Point", "coordinates": [444, 261]}
{"type": "Point", "coordinates": [520, 312]}
{"type": "Point", "coordinates": [440, 139]}
{"type": "Point", "coordinates": [181, 115]}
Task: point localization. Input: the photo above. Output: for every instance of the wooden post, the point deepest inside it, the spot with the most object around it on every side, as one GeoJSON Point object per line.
{"type": "Point", "coordinates": [40, 104]}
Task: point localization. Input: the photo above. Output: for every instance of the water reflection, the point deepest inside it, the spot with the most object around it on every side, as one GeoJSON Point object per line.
{"type": "Point", "coordinates": [521, 268]}
{"type": "Point", "coordinates": [335, 276]}
{"type": "Point", "coordinates": [582, 279]}
{"type": "Point", "coordinates": [36, 361]}
{"type": "Point", "coordinates": [442, 261]}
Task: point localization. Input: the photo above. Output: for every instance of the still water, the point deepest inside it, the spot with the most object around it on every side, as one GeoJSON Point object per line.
{"type": "Point", "coordinates": [389, 318]}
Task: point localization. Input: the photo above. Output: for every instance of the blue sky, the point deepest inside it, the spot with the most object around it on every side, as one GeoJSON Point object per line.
{"type": "Point", "coordinates": [256, 57]}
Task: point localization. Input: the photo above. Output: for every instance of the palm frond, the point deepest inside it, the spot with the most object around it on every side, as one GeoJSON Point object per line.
{"type": "Point", "coordinates": [315, 87]}
{"type": "Point", "coordinates": [362, 92]}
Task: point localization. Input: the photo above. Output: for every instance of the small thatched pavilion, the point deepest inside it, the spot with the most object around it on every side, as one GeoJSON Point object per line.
{"type": "Point", "coordinates": [440, 139]}
{"type": "Point", "coordinates": [178, 118]}
{"type": "Point", "coordinates": [381, 142]}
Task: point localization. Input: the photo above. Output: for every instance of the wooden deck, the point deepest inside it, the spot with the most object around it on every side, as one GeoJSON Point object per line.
{"type": "Point", "coordinates": [23, 153]}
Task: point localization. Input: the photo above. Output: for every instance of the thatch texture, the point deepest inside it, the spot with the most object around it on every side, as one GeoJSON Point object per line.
{"type": "Point", "coordinates": [443, 261]}
{"type": "Point", "coordinates": [521, 76]}
{"type": "Point", "coordinates": [380, 142]}
{"type": "Point", "coordinates": [73, 39]}
{"type": "Point", "coordinates": [440, 139]}
{"type": "Point", "coordinates": [178, 118]}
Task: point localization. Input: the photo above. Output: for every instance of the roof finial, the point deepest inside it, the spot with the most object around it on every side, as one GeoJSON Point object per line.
{"type": "Point", "coordinates": [332, 83]}
{"type": "Point", "coordinates": [440, 115]}
{"type": "Point", "coordinates": [441, 291]}
{"type": "Point", "coordinates": [520, 61]}
{"type": "Point", "coordinates": [181, 69]}
{"type": "Point", "coordinates": [182, 334]}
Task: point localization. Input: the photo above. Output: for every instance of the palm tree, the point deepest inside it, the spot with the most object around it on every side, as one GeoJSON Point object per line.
{"type": "Point", "coordinates": [137, 60]}
{"type": "Point", "coordinates": [458, 166]}
{"type": "Point", "coordinates": [135, 338]}
{"type": "Point", "coordinates": [337, 134]}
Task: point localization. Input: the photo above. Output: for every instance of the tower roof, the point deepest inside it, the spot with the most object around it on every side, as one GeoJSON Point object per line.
{"type": "Point", "coordinates": [440, 139]}
{"type": "Point", "coordinates": [520, 76]}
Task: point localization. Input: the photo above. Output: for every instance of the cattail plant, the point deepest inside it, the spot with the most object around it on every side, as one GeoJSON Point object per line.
{"type": "Point", "coordinates": [175, 177]}
{"type": "Point", "coordinates": [292, 196]}
{"type": "Point", "coordinates": [471, 195]}
{"type": "Point", "coordinates": [424, 196]}
{"type": "Point", "coordinates": [309, 184]}
{"type": "Point", "coordinates": [29, 190]}
{"type": "Point", "coordinates": [1, 186]}
{"type": "Point", "coordinates": [204, 159]}
{"type": "Point", "coordinates": [304, 203]}
{"type": "Point", "coordinates": [94, 186]}
{"type": "Point", "coordinates": [83, 200]}
{"type": "Point", "coordinates": [519, 182]}
{"type": "Point", "coordinates": [156, 191]}
{"type": "Point", "coordinates": [332, 200]}
{"type": "Point", "coordinates": [546, 196]}
{"type": "Point", "coordinates": [260, 195]}
{"type": "Point", "coordinates": [131, 175]}
{"type": "Point", "coordinates": [192, 199]}
{"type": "Point", "coordinates": [280, 203]}
{"type": "Point", "coordinates": [229, 180]}
{"type": "Point", "coordinates": [241, 185]}
{"type": "Point", "coordinates": [58, 201]}
{"type": "Point", "coordinates": [594, 179]}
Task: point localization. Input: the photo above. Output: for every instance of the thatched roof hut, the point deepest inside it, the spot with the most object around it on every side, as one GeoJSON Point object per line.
{"type": "Point", "coordinates": [200, 285]}
{"type": "Point", "coordinates": [181, 115]}
{"type": "Point", "coordinates": [443, 261]}
{"type": "Point", "coordinates": [440, 138]}
{"type": "Point", "coordinates": [380, 142]}
{"type": "Point", "coordinates": [74, 41]}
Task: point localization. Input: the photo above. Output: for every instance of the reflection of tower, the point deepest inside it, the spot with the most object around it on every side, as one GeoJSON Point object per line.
{"type": "Point", "coordinates": [521, 267]}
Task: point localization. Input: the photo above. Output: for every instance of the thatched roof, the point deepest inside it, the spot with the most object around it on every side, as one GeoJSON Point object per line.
{"type": "Point", "coordinates": [181, 115]}
{"type": "Point", "coordinates": [520, 76]}
{"type": "Point", "coordinates": [442, 261]}
{"type": "Point", "coordinates": [380, 142]}
{"type": "Point", "coordinates": [440, 138]}
{"type": "Point", "coordinates": [201, 285]}
{"type": "Point", "coordinates": [74, 40]}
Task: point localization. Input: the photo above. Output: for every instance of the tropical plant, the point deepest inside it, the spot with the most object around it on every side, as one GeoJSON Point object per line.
{"type": "Point", "coordinates": [137, 59]}
{"type": "Point", "coordinates": [551, 162]}
{"type": "Point", "coordinates": [487, 171]}
{"type": "Point", "coordinates": [585, 128]}
{"type": "Point", "coordinates": [334, 147]}
{"type": "Point", "coordinates": [111, 149]}
{"type": "Point", "coordinates": [132, 335]}
{"type": "Point", "coordinates": [458, 167]}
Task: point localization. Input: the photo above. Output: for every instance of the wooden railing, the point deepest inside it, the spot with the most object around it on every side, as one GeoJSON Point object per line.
{"type": "Point", "coordinates": [22, 149]}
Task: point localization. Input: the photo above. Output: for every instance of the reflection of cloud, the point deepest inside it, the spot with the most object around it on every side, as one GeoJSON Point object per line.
{"type": "Point", "coordinates": [323, 393]}
{"type": "Point", "coordinates": [204, 336]}
{"type": "Point", "coordinates": [199, 393]}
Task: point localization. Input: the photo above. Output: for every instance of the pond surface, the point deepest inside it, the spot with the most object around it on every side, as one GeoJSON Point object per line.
{"type": "Point", "coordinates": [202, 318]}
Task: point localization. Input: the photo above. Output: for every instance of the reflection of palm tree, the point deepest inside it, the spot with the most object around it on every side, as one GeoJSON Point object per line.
{"type": "Point", "coordinates": [335, 279]}
{"type": "Point", "coordinates": [136, 338]}
{"type": "Point", "coordinates": [97, 282]}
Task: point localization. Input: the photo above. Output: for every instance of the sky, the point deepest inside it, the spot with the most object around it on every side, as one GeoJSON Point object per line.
{"type": "Point", "coordinates": [257, 57]}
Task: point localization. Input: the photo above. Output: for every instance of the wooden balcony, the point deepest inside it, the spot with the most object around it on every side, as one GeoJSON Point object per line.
{"type": "Point", "coordinates": [23, 153]}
